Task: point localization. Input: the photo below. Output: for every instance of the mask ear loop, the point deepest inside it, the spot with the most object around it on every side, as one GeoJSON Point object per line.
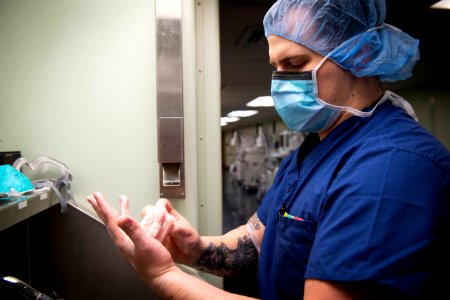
{"type": "Point", "coordinates": [349, 109]}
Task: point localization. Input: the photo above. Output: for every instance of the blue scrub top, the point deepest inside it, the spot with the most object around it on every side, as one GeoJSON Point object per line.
{"type": "Point", "coordinates": [374, 199]}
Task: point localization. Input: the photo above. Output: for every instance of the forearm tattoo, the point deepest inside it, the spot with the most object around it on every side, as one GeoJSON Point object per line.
{"type": "Point", "coordinates": [254, 221]}
{"type": "Point", "coordinates": [223, 261]}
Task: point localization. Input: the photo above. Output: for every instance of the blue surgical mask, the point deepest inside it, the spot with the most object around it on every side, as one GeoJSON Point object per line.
{"type": "Point", "coordinates": [296, 99]}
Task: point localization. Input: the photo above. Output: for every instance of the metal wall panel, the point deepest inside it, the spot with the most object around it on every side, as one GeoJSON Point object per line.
{"type": "Point", "coordinates": [170, 98]}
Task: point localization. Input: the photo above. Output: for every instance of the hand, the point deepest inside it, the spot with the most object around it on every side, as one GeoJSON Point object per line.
{"type": "Point", "coordinates": [164, 223]}
{"type": "Point", "coordinates": [147, 255]}
{"type": "Point", "coordinates": [157, 221]}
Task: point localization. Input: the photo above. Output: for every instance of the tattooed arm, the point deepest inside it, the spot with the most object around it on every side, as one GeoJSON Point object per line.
{"type": "Point", "coordinates": [150, 259]}
{"type": "Point", "coordinates": [233, 254]}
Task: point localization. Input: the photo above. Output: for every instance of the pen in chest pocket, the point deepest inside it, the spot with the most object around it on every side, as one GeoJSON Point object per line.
{"type": "Point", "coordinates": [284, 213]}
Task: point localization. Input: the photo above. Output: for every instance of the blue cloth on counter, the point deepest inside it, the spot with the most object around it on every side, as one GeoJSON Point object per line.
{"type": "Point", "coordinates": [13, 183]}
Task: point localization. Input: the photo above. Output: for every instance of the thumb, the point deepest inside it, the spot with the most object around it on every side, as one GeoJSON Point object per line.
{"type": "Point", "coordinates": [132, 228]}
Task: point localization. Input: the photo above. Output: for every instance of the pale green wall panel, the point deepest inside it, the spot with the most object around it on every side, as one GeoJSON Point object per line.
{"type": "Point", "coordinates": [77, 83]}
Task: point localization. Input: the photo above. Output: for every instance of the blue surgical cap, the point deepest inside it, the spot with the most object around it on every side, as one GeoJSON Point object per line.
{"type": "Point", "coordinates": [351, 32]}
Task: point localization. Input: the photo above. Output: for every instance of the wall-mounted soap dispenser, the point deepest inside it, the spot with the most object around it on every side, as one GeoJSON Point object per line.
{"type": "Point", "coordinates": [170, 98]}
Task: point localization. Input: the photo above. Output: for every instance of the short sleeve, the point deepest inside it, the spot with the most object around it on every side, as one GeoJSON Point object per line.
{"type": "Point", "coordinates": [380, 219]}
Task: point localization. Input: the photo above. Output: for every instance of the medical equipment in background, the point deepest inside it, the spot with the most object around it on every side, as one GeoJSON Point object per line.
{"type": "Point", "coordinates": [289, 140]}
{"type": "Point", "coordinates": [258, 157]}
{"type": "Point", "coordinates": [40, 169]}
{"type": "Point", "coordinates": [251, 158]}
{"type": "Point", "coordinates": [237, 168]}
{"type": "Point", "coordinates": [264, 141]}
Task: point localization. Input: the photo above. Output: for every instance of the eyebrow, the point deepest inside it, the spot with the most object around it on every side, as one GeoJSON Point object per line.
{"type": "Point", "coordinates": [303, 57]}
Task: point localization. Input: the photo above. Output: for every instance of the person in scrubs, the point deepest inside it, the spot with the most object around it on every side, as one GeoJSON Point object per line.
{"type": "Point", "coordinates": [359, 211]}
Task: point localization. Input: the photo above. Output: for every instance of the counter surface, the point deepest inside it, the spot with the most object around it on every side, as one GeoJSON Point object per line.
{"type": "Point", "coordinates": [15, 210]}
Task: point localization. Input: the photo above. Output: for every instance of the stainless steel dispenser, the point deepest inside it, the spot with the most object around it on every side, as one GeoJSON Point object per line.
{"type": "Point", "coordinates": [170, 98]}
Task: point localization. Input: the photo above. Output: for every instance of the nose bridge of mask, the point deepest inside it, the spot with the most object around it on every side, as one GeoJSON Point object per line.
{"type": "Point", "coordinates": [286, 75]}
{"type": "Point", "coordinates": [291, 85]}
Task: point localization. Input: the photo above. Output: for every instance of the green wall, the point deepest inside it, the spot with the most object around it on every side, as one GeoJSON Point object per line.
{"type": "Point", "coordinates": [77, 83]}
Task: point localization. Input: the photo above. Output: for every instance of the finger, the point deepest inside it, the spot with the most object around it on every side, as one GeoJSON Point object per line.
{"type": "Point", "coordinates": [104, 206]}
{"type": "Point", "coordinates": [156, 225]}
{"type": "Point", "coordinates": [110, 216]}
{"type": "Point", "coordinates": [166, 227]}
{"type": "Point", "coordinates": [133, 230]}
{"type": "Point", "coordinates": [145, 210]}
{"type": "Point", "coordinates": [149, 215]}
{"type": "Point", "coordinates": [91, 199]}
{"type": "Point", "coordinates": [165, 203]}
{"type": "Point", "coordinates": [161, 204]}
{"type": "Point", "coordinates": [124, 205]}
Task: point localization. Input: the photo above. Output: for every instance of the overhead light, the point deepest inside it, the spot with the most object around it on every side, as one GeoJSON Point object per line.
{"type": "Point", "coordinates": [444, 4]}
{"type": "Point", "coordinates": [225, 120]}
{"type": "Point", "coordinates": [263, 101]}
{"type": "Point", "coordinates": [242, 113]}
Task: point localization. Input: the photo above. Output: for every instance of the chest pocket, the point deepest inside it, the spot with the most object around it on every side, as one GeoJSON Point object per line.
{"type": "Point", "coordinates": [292, 249]}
